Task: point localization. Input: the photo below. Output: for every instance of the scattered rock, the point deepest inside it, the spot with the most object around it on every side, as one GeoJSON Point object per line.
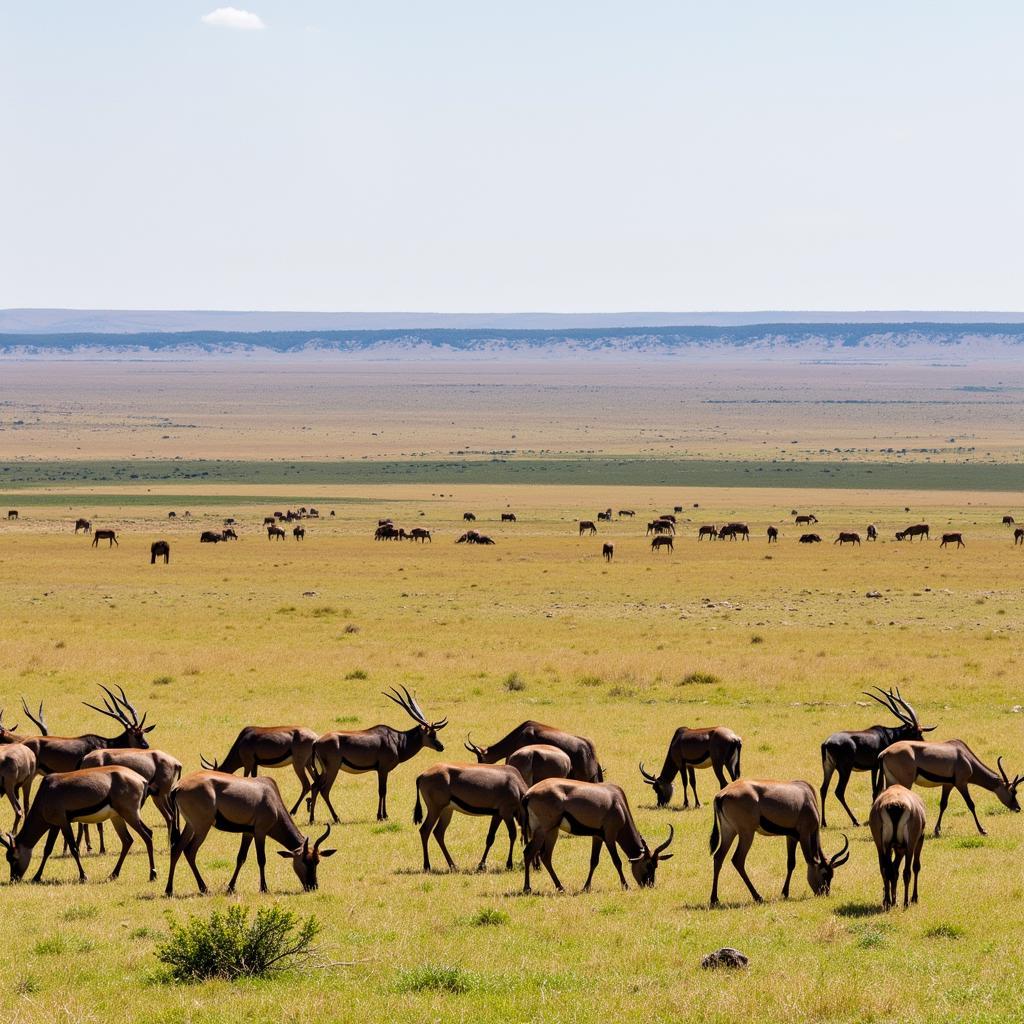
{"type": "Point", "coordinates": [873, 593]}
{"type": "Point", "coordinates": [311, 593]}
{"type": "Point", "coordinates": [724, 957]}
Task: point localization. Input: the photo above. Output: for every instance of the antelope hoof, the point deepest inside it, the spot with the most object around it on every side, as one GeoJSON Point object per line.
{"type": "Point", "coordinates": [759, 899]}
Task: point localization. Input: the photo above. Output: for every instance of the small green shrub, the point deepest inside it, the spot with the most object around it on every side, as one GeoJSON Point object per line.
{"type": "Point", "coordinates": [489, 917]}
{"type": "Point", "coordinates": [514, 682]}
{"type": "Point", "coordinates": [80, 912]}
{"type": "Point", "coordinates": [590, 680]}
{"type": "Point", "coordinates": [699, 679]}
{"type": "Point", "coordinates": [435, 978]}
{"type": "Point", "coordinates": [757, 639]}
{"type": "Point", "coordinates": [163, 680]}
{"type": "Point", "coordinates": [944, 931]}
{"type": "Point", "coordinates": [357, 673]}
{"type": "Point", "coordinates": [351, 627]}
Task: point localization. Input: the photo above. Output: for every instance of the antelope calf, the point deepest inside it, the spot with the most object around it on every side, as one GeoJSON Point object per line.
{"type": "Point", "coordinates": [897, 827]}
{"type": "Point", "coordinates": [596, 809]}
{"type": "Point", "coordinates": [539, 761]}
{"type": "Point", "coordinates": [17, 769]}
{"type": "Point", "coordinates": [250, 806]}
{"type": "Point", "coordinates": [951, 765]}
{"type": "Point", "coordinates": [92, 795]}
{"type": "Point", "coordinates": [717, 748]}
{"type": "Point", "coordinates": [746, 808]}
{"type": "Point", "coordinates": [486, 790]}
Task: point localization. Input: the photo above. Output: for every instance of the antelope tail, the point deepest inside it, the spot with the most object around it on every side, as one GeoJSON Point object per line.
{"type": "Point", "coordinates": [175, 820]}
{"type": "Point", "coordinates": [526, 820]}
{"type": "Point", "coordinates": [417, 811]}
{"type": "Point", "coordinates": [714, 829]}
{"type": "Point", "coordinates": [737, 751]}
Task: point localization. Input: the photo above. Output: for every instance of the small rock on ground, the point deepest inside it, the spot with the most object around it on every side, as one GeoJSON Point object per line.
{"type": "Point", "coordinates": [724, 957]}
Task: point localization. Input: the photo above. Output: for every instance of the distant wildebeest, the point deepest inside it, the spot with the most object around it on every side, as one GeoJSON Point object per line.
{"type": "Point", "coordinates": [668, 518]}
{"type": "Point", "coordinates": [332, 513]}
{"type": "Point", "coordinates": [314, 513]}
{"type": "Point", "coordinates": [587, 526]}
{"type": "Point", "coordinates": [420, 534]}
{"type": "Point", "coordinates": [807, 520]}
{"type": "Point", "coordinates": [608, 551]}
{"type": "Point", "coordinates": [662, 542]}
{"type": "Point", "coordinates": [269, 520]}
{"type": "Point", "coordinates": [228, 534]}
{"type": "Point", "coordinates": [734, 530]}
{"type": "Point", "coordinates": [1018, 536]}
{"type": "Point", "coordinates": [159, 549]}
{"type": "Point", "coordinates": [299, 532]}
{"type": "Point", "coordinates": [847, 538]}
{"type": "Point", "coordinates": [172, 515]}
{"type": "Point", "coordinates": [900, 535]}
{"type": "Point", "coordinates": [12, 513]}
{"type": "Point", "coordinates": [953, 538]}
{"type": "Point", "coordinates": [919, 530]}
{"type": "Point", "coordinates": [275, 533]}
{"type": "Point", "coordinates": [107, 535]}
{"type": "Point", "coordinates": [84, 525]}
{"type": "Point", "coordinates": [872, 532]}
{"type": "Point", "coordinates": [604, 517]}
{"type": "Point", "coordinates": [810, 538]}
{"type": "Point", "coordinates": [483, 539]}
{"type": "Point", "coordinates": [508, 517]}
{"type": "Point", "coordinates": [469, 517]}
{"type": "Point", "coordinates": [660, 526]}
{"type": "Point", "coordinates": [897, 827]}
{"type": "Point", "coordinates": [1008, 520]}
{"type": "Point", "coordinates": [678, 508]}
{"type": "Point", "coordinates": [386, 531]}
{"type": "Point", "coordinates": [469, 537]}
{"type": "Point", "coordinates": [626, 513]}
{"type": "Point", "coordinates": [773, 535]}
{"type": "Point", "coordinates": [213, 537]}
{"type": "Point", "coordinates": [717, 748]}
{"type": "Point", "coordinates": [230, 521]}
{"type": "Point", "coordinates": [707, 531]}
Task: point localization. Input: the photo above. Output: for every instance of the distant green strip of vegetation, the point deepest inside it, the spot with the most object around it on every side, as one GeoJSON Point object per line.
{"type": "Point", "coordinates": [623, 471]}
{"type": "Point", "coordinates": [77, 503]}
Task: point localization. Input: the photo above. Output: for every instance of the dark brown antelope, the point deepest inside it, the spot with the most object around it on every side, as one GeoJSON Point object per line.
{"type": "Point", "coordinates": [159, 549]}
{"type": "Point", "coordinates": [160, 770]}
{"type": "Point", "coordinates": [494, 791]}
{"type": "Point", "coordinates": [299, 533]}
{"type": "Point", "coordinates": [380, 749]}
{"type": "Point", "coordinates": [897, 827]}
{"type": "Point", "coordinates": [273, 533]}
{"type": "Point", "coordinates": [707, 531]}
{"type": "Point", "coordinates": [953, 538]}
{"type": "Point", "coordinates": [660, 527]}
{"type": "Point", "coordinates": [273, 746]}
{"type": "Point", "coordinates": [662, 542]}
{"type": "Point", "coordinates": [581, 751]}
{"type": "Point", "coordinates": [540, 761]}
{"type": "Point", "coordinates": [857, 750]}
{"type": "Point", "coordinates": [872, 532]}
{"type": "Point", "coordinates": [508, 517]}
{"type": "Point", "coordinates": [1008, 520]}
{"type": "Point", "coordinates": [211, 537]}
{"type": "Point", "coordinates": [734, 530]}
{"type": "Point", "coordinates": [847, 538]}
{"type": "Point", "coordinates": [599, 810]}
{"type": "Point", "coordinates": [1018, 536]}
{"type": "Point", "coordinates": [807, 520]}
{"type": "Point", "coordinates": [951, 765]}
{"type": "Point", "coordinates": [746, 808]}
{"type": "Point", "coordinates": [773, 535]}
{"type": "Point", "coordinates": [84, 525]}
{"type": "Point", "coordinates": [107, 535]}
{"type": "Point", "coordinates": [919, 530]}
{"type": "Point", "coordinates": [468, 517]}
{"type": "Point", "coordinates": [420, 534]}
{"type": "Point", "coordinates": [608, 552]}
{"type": "Point", "coordinates": [810, 538]}
{"type": "Point", "coordinates": [587, 526]}
{"type": "Point", "coordinates": [17, 769]}
{"type": "Point", "coordinates": [717, 748]}
{"type": "Point", "coordinates": [12, 513]}
{"type": "Point", "coordinates": [250, 806]}
{"type": "Point", "coordinates": [111, 794]}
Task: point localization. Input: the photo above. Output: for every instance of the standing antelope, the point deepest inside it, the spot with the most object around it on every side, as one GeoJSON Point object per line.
{"type": "Point", "coordinates": [491, 790]}
{"type": "Point", "coordinates": [540, 761]}
{"type": "Point", "coordinates": [951, 765]}
{"type": "Point", "coordinates": [897, 827]}
{"type": "Point", "coordinates": [596, 809]}
{"type": "Point", "coordinates": [113, 794]}
{"type": "Point", "coordinates": [11, 735]}
{"type": "Point", "coordinates": [747, 808]}
{"type": "Point", "coordinates": [580, 749]}
{"type": "Point", "coordinates": [380, 749]}
{"type": "Point", "coordinates": [717, 748]}
{"type": "Point", "coordinates": [251, 806]}
{"type": "Point", "coordinates": [848, 752]}
{"type": "Point", "coordinates": [17, 769]}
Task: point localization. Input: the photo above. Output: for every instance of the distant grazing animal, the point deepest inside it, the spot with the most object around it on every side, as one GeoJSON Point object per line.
{"type": "Point", "coordinates": [508, 517]}
{"type": "Point", "coordinates": [587, 526]}
{"type": "Point", "coordinates": [540, 761]}
{"type": "Point", "coordinates": [188, 515]}
{"type": "Point", "coordinates": [229, 521]}
{"type": "Point", "coordinates": [810, 538]}
{"type": "Point", "coordinates": [678, 508]}
{"type": "Point", "coordinates": [897, 827]}
{"type": "Point", "coordinates": [746, 808]}
{"type": "Point", "coordinates": [717, 748]}
{"type": "Point", "coordinates": [707, 531]}
{"type": "Point", "coordinates": [314, 513]}
{"type": "Point", "coordinates": [420, 534]}
{"type": "Point", "coordinates": [275, 533]}
{"type": "Point", "coordinates": [469, 537]}
{"type": "Point", "coordinates": [626, 513]}
{"type": "Point", "coordinates": [483, 539]}
{"type": "Point", "coordinates": [386, 531]}
{"type": "Point", "coordinates": [332, 513]}
{"type": "Point", "coordinates": [228, 534]}
{"type": "Point", "coordinates": [604, 517]}
{"type": "Point", "coordinates": [662, 542]}
{"type": "Point", "coordinates": [735, 530]}
{"type": "Point", "coordinates": [951, 765]}
{"type": "Point", "coordinates": [385, 522]}
{"type": "Point", "coordinates": [773, 535]}
{"type": "Point", "coordinates": [299, 532]}
{"type": "Point", "coordinates": [1018, 536]}
{"type": "Point", "coordinates": [1008, 520]}
{"type": "Point", "coordinates": [159, 549]}
{"type": "Point", "coordinates": [107, 535]}
{"type": "Point", "coordinates": [269, 520]}
{"type": "Point", "coordinates": [858, 750]}
{"type": "Point", "coordinates": [469, 517]}
{"type": "Point", "coordinates": [84, 525]}
{"type": "Point", "coordinates": [847, 538]}
{"type": "Point", "coordinates": [807, 520]}
{"type": "Point", "coordinates": [872, 532]}
{"type": "Point", "coordinates": [599, 810]}
{"type": "Point", "coordinates": [172, 515]}
{"type": "Point", "coordinates": [213, 537]}
{"type": "Point", "coordinates": [919, 530]}
{"type": "Point", "coordinates": [581, 752]}
{"type": "Point", "coordinates": [953, 538]}
{"type": "Point", "coordinates": [661, 527]}
{"type": "Point", "coordinates": [12, 513]}
{"type": "Point", "coordinates": [900, 535]}
{"type": "Point", "coordinates": [668, 518]}
{"type": "Point", "coordinates": [608, 551]}
{"type": "Point", "coordinates": [793, 512]}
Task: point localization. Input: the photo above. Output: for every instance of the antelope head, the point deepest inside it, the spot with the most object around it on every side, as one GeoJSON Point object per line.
{"type": "Point", "coordinates": [662, 790]}
{"type": "Point", "coordinates": [17, 856]}
{"type": "Point", "coordinates": [122, 711]}
{"type": "Point", "coordinates": [429, 729]}
{"type": "Point", "coordinates": [1007, 790]}
{"type": "Point", "coordinates": [7, 732]}
{"type": "Point", "coordinates": [480, 752]}
{"type": "Point", "coordinates": [645, 864]}
{"type": "Point", "coordinates": [893, 702]}
{"type": "Point", "coordinates": [306, 860]}
{"type": "Point", "coordinates": [821, 869]}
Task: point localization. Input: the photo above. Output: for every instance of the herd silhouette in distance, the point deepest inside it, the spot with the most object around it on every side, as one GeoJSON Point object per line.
{"type": "Point", "coordinates": [538, 781]}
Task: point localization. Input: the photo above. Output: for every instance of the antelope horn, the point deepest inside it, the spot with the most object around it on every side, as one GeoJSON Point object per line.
{"type": "Point", "coordinates": [129, 705]}
{"type": "Point", "coordinates": [471, 746]}
{"type": "Point", "coordinates": [406, 707]}
{"type": "Point", "coordinates": [7, 840]}
{"type": "Point", "coordinates": [40, 722]}
{"type": "Point", "coordinates": [414, 705]}
{"type": "Point", "coordinates": [648, 777]}
{"type": "Point", "coordinates": [1002, 770]}
{"type": "Point", "coordinates": [668, 842]}
{"type": "Point", "coordinates": [316, 845]}
{"type": "Point", "coordinates": [110, 714]}
{"type": "Point", "coordinates": [210, 766]}
{"type": "Point", "coordinates": [839, 860]}
{"type": "Point", "coordinates": [116, 706]}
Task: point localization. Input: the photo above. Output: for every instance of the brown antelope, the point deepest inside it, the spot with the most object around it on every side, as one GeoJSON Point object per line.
{"type": "Point", "coordinates": [587, 526]}
{"type": "Point", "coordinates": [113, 794]}
{"type": "Point", "coordinates": [159, 549]}
{"type": "Point", "coordinates": [17, 769]}
{"type": "Point", "coordinates": [11, 735]}
{"type": "Point", "coordinates": [275, 533]}
{"type": "Point", "coordinates": [275, 746]}
{"type": "Point", "coordinates": [251, 806]}
{"type": "Point", "coordinates": [707, 531]}
{"type": "Point", "coordinates": [596, 809]}
{"type": "Point", "coordinates": [953, 538]}
{"type": "Point", "coordinates": [83, 524]}
{"type": "Point", "coordinates": [108, 535]}
{"type": "Point", "coordinates": [489, 790]}
{"type": "Point", "coordinates": [897, 827]}
{"type": "Point", "coordinates": [847, 538]}
{"type": "Point", "coordinates": [746, 808]}
{"type": "Point", "coordinates": [951, 765]}
{"type": "Point", "coordinates": [1018, 536]}
{"type": "Point", "coordinates": [608, 552]}
{"type": "Point", "coordinates": [717, 748]}
{"type": "Point", "coordinates": [582, 754]}
{"type": "Point", "coordinates": [380, 749]}
{"type": "Point", "coordinates": [773, 535]}
{"type": "Point", "coordinates": [540, 761]}
{"type": "Point", "coordinates": [662, 542]}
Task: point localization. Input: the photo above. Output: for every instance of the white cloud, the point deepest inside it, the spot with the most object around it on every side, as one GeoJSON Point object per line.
{"type": "Point", "coordinates": [232, 17]}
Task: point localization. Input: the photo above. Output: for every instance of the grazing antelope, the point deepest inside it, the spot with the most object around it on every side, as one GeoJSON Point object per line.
{"type": "Point", "coordinates": [608, 552]}
{"type": "Point", "coordinates": [490, 790]}
{"type": "Point", "coordinates": [107, 535]}
{"type": "Point", "coordinates": [920, 530]}
{"type": "Point", "coordinates": [250, 806]}
{"type": "Point", "coordinates": [17, 769]}
{"type": "Point", "coordinates": [269, 521]}
{"type": "Point", "coordinates": [717, 748]}
{"type": "Point", "coordinates": [11, 735]}
{"type": "Point", "coordinates": [380, 749]}
{"type": "Point", "coordinates": [847, 538]}
{"type": "Point", "coordinates": [872, 532]}
{"type": "Point", "coordinates": [582, 754]}
{"type": "Point", "coordinates": [953, 538]}
{"type": "Point", "coordinates": [897, 827]}
{"type": "Point", "coordinates": [1008, 520]}
{"type": "Point", "coordinates": [482, 539]}
{"type": "Point", "coordinates": [587, 526]}
{"type": "Point", "coordinates": [773, 535]}
{"type": "Point", "coordinates": [808, 520]}
{"type": "Point", "coordinates": [273, 533]}
{"type": "Point", "coordinates": [858, 751]}
{"type": "Point", "coordinates": [420, 534]}
{"type": "Point", "coordinates": [468, 517]}
{"type": "Point", "coordinates": [84, 525]}
{"type": "Point", "coordinates": [1018, 536]}
{"type": "Point", "coordinates": [228, 534]}
{"type": "Point", "coordinates": [707, 531]}
{"type": "Point", "coordinates": [113, 794]}
{"type": "Point", "coordinates": [299, 533]}
{"type": "Point", "coordinates": [12, 513]}
{"type": "Point", "coordinates": [626, 513]}
{"type": "Point", "coordinates": [540, 761]}
{"type": "Point", "coordinates": [211, 537]}
{"type": "Point", "coordinates": [810, 538]}
{"type": "Point", "coordinates": [735, 530]}
{"type": "Point", "coordinates": [746, 808]}
{"type": "Point", "coordinates": [951, 765]}
{"type": "Point", "coordinates": [159, 549]}
{"type": "Point", "coordinates": [508, 517]}
{"type": "Point", "coordinates": [596, 809]}
{"type": "Point", "coordinates": [662, 542]}
{"type": "Point", "coordinates": [274, 746]}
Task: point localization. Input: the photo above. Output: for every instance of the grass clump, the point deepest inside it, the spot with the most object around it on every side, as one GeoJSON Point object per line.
{"type": "Point", "coordinates": [435, 978]}
{"type": "Point", "coordinates": [489, 917]}
{"type": "Point", "coordinates": [944, 931]}
{"type": "Point", "coordinates": [699, 679]}
{"type": "Point", "coordinates": [357, 673]}
{"type": "Point", "coordinates": [229, 945]}
{"type": "Point", "coordinates": [513, 683]}
{"type": "Point", "coordinates": [163, 680]}
{"type": "Point", "coordinates": [590, 681]}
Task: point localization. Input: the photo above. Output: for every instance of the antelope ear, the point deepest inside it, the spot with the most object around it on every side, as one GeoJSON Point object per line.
{"type": "Point", "coordinates": [665, 856]}
{"type": "Point", "coordinates": [928, 728]}
{"type": "Point", "coordinates": [289, 853]}
{"type": "Point", "coordinates": [149, 729]}
{"type": "Point", "coordinates": [328, 853]}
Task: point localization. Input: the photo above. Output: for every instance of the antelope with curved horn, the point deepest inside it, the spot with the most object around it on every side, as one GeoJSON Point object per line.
{"type": "Point", "coordinates": [717, 748]}
{"type": "Point", "coordinates": [379, 749]}
{"type": "Point", "coordinates": [250, 806]}
{"type": "Point", "coordinates": [857, 751]}
{"type": "Point", "coordinates": [10, 735]}
{"type": "Point", "coordinates": [581, 751]}
{"type": "Point", "coordinates": [113, 794]}
{"type": "Point", "coordinates": [596, 809]}
{"type": "Point", "coordinates": [897, 827]}
{"type": "Point", "coordinates": [487, 790]}
{"type": "Point", "coordinates": [746, 808]}
{"type": "Point", "coordinates": [951, 765]}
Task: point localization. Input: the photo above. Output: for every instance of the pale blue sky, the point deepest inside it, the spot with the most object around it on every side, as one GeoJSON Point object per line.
{"type": "Point", "coordinates": [469, 155]}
